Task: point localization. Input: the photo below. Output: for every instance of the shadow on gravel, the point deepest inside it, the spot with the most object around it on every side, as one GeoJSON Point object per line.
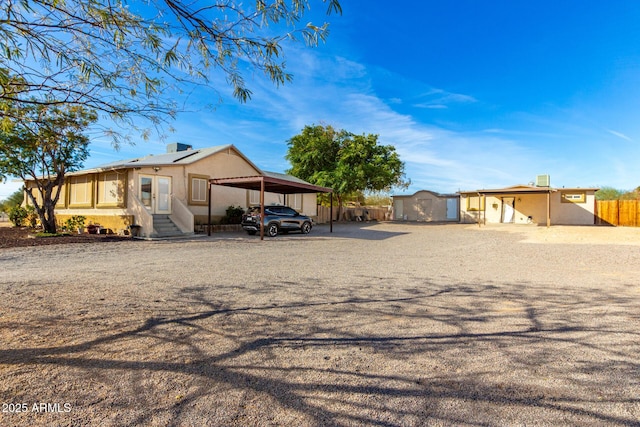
{"type": "Point", "coordinates": [343, 230]}
{"type": "Point", "coordinates": [469, 354]}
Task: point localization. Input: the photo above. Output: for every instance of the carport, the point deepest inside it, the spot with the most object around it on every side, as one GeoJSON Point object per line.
{"type": "Point", "coordinates": [270, 183]}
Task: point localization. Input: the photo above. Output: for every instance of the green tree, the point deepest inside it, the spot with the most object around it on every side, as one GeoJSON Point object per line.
{"type": "Point", "coordinates": [41, 148]}
{"type": "Point", "coordinates": [346, 162]}
{"type": "Point", "coordinates": [631, 195]}
{"type": "Point", "coordinates": [608, 193]}
{"type": "Point", "coordinates": [14, 199]}
{"type": "Point", "coordinates": [135, 59]}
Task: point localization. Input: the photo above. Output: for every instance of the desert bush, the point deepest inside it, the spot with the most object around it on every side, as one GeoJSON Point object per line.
{"type": "Point", "coordinates": [32, 219]}
{"type": "Point", "coordinates": [17, 215]}
{"type": "Point", "coordinates": [233, 215]}
{"type": "Point", "coordinates": [74, 223]}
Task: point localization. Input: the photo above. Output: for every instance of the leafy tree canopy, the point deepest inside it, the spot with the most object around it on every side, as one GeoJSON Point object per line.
{"type": "Point", "coordinates": [610, 193]}
{"type": "Point", "coordinates": [14, 199]}
{"type": "Point", "coordinates": [131, 59]}
{"type": "Point", "coordinates": [346, 162]}
{"type": "Point", "coordinates": [41, 147]}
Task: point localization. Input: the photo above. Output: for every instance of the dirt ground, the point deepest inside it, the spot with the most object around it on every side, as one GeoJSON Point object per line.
{"type": "Point", "coordinates": [597, 235]}
{"type": "Point", "coordinates": [581, 235]}
{"type": "Point", "coordinates": [13, 237]}
{"type": "Point", "coordinates": [375, 324]}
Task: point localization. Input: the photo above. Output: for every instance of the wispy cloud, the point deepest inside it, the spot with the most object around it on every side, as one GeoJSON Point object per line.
{"type": "Point", "coordinates": [436, 158]}
{"type": "Point", "coordinates": [431, 106]}
{"type": "Point", "coordinates": [619, 135]}
{"type": "Point", "coordinates": [441, 99]}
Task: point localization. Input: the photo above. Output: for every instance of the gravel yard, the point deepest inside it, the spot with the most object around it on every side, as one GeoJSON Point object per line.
{"type": "Point", "coordinates": [376, 324]}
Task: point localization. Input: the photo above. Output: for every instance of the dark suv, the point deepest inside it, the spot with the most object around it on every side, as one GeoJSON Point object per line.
{"type": "Point", "coordinates": [276, 218]}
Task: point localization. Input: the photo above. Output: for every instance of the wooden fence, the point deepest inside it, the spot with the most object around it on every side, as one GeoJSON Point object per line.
{"type": "Point", "coordinates": [618, 212]}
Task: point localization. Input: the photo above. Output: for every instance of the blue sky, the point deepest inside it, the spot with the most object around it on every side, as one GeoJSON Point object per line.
{"type": "Point", "coordinates": [472, 94]}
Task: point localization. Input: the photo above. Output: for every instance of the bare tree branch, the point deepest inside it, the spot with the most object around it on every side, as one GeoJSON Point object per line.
{"type": "Point", "coordinates": [121, 57]}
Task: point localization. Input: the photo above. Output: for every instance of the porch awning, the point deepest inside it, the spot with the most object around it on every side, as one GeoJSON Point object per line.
{"type": "Point", "coordinates": [505, 191]}
{"type": "Point", "coordinates": [517, 190]}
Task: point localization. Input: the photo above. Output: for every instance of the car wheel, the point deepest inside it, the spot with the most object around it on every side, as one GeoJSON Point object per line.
{"type": "Point", "coordinates": [306, 228]}
{"type": "Point", "coordinates": [272, 230]}
{"type": "Point", "coordinates": [251, 233]}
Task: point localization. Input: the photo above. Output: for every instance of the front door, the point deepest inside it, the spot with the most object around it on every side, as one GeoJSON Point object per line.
{"type": "Point", "coordinates": [508, 209]}
{"type": "Point", "coordinates": [155, 193]}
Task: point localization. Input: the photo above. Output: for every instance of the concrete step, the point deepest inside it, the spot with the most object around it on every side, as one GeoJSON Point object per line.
{"type": "Point", "coordinates": [164, 227]}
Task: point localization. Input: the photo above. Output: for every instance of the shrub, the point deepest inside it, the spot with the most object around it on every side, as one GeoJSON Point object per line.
{"type": "Point", "coordinates": [233, 215]}
{"type": "Point", "coordinates": [17, 215]}
{"type": "Point", "coordinates": [74, 223]}
{"type": "Point", "coordinates": [32, 218]}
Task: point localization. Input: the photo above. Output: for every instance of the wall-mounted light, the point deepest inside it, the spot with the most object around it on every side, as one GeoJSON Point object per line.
{"type": "Point", "coordinates": [156, 168]}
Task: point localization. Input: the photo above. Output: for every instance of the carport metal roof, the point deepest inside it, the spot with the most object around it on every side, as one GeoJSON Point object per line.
{"type": "Point", "coordinates": [272, 183]}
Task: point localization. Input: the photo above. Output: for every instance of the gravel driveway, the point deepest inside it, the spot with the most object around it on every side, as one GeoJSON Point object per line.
{"type": "Point", "coordinates": [383, 324]}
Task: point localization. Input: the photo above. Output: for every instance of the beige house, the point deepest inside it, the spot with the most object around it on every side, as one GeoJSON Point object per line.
{"type": "Point", "coordinates": [426, 206]}
{"type": "Point", "coordinates": [529, 204]}
{"type": "Point", "coordinates": [167, 194]}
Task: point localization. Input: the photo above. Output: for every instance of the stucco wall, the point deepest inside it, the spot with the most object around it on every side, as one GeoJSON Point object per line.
{"type": "Point", "coordinates": [573, 213]}
{"type": "Point", "coordinates": [534, 206]}
{"type": "Point", "coordinates": [115, 221]}
{"type": "Point", "coordinates": [422, 206]}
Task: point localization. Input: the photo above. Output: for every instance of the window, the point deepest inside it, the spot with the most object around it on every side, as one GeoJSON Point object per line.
{"type": "Point", "coordinates": [198, 189]}
{"type": "Point", "coordinates": [61, 204]}
{"type": "Point", "coordinates": [62, 198]}
{"type": "Point", "coordinates": [287, 211]}
{"type": "Point", "coordinates": [295, 201]}
{"type": "Point", "coordinates": [475, 203]}
{"type": "Point", "coordinates": [80, 191]}
{"type": "Point", "coordinates": [254, 197]}
{"type": "Point", "coordinates": [573, 197]}
{"type": "Point", "coordinates": [111, 187]}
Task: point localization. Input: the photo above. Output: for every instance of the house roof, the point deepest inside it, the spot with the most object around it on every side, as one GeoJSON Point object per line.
{"type": "Point", "coordinates": [274, 182]}
{"type": "Point", "coordinates": [167, 159]}
{"type": "Point", "coordinates": [425, 191]}
{"type": "Point", "coordinates": [521, 189]}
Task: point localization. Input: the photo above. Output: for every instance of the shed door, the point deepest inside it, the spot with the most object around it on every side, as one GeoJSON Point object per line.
{"type": "Point", "coordinates": [398, 210]}
{"type": "Point", "coordinates": [452, 209]}
{"type": "Point", "coordinates": [508, 209]}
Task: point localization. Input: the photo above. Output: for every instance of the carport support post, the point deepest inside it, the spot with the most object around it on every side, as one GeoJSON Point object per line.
{"type": "Point", "coordinates": [484, 209]}
{"type": "Point", "coordinates": [549, 208]}
{"type": "Point", "coordinates": [209, 212]}
{"type": "Point", "coordinates": [331, 214]}
{"type": "Point", "coordinates": [262, 209]}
